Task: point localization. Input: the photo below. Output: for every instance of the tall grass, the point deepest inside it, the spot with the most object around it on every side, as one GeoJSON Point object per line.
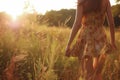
{"type": "Point", "coordinates": [44, 48]}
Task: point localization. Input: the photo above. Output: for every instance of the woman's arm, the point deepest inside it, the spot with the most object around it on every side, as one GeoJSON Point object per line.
{"type": "Point", "coordinates": [111, 24]}
{"type": "Point", "coordinates": [77, 24]}
{"type": "Point", "coordinates": [75, 27]}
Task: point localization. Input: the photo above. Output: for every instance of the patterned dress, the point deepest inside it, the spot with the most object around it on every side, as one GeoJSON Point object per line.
{"type": "Point", "coordinates": [92, 39]}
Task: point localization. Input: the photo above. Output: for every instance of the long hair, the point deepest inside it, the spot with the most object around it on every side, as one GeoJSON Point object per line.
{"type": "Point", "coordinates": [92, 6]}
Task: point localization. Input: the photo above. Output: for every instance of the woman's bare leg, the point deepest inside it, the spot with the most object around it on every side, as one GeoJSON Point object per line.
{"type": "Point", "coordinates": [92, 67]}
{"type": "Point", "coordinates": [95, 65]}
{"type": "Point", "coordinates": [88, 67]}
{"type": "Point", "coordinates": [98, 63]}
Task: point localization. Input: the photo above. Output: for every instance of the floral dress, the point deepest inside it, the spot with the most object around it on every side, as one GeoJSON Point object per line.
{"type": "Point", "coordinates": [92, 39]}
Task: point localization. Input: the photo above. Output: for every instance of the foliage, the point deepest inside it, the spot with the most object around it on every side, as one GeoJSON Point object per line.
{"type": "Point", "coordinates": [116, 14]}
{"type": "Point", "coordinates": [63, 17]}
{"type": "Point", "coordinates": [45, 60]}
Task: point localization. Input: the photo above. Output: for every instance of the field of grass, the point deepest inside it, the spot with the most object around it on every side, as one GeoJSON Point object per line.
{"type": "Point", "coordinates": [37, 53]}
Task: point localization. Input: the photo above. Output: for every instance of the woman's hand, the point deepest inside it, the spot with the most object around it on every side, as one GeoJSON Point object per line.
{"type": "Point", "coordinates": [67, 52]}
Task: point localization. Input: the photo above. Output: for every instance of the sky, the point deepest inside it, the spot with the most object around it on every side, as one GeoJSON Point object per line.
{"type": "Point", "coordinates": [17, 7]}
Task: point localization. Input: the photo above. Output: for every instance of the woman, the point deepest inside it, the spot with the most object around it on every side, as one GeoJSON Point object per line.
{"type": "Point", "coordinates": [92, 45]}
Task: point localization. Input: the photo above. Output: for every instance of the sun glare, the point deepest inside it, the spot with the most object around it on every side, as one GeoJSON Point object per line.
{"type": "Point", "coordinates": [14, 14]}
{"type": "Point", "coordinates": [12, 7]}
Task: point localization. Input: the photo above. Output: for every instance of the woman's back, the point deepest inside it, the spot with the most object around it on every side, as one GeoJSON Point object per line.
{"type": "Point", "coordinates": [93, 19]}
{"type": "Point", "coordinates": [93, 16]}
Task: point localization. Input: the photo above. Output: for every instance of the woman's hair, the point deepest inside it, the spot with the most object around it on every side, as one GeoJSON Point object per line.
{"type": "Point", "coordinates": [91, 6]}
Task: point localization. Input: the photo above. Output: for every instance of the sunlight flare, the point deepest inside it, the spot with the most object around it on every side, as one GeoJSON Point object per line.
{"type": "Point", "coordinates": [14, 14]}
{"type": "Point", "coordinates": [12, 7]}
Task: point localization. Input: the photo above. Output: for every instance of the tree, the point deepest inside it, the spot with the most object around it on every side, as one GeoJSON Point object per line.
{"type": "Point", "coordinates": [116, 14]}
{"type": "Point", "coordinates": [63, 17]}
